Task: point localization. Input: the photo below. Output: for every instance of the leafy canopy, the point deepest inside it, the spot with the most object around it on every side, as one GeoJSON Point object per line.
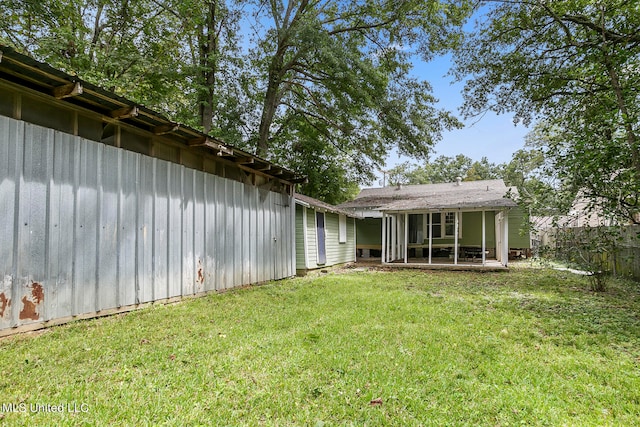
{"type": "Point", "coordinates": [572, 64]}
{"type": "Point", "coordinates": [322, 79]}
{"type": "Point", "coordinates": [446, 169]}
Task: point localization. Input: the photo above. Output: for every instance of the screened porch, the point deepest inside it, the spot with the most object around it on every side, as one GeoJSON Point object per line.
{"type": "Point", "coordinates": [446, 237]}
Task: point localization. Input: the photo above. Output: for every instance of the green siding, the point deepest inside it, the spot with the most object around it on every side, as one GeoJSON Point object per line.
{"type": "Point", "coordinates": [516, 237]}
{"type": "Point", "coordinates": [471, 231]}
{"type": "Point", "coordinates": [337, 253]}
{"type": "Point", "coordinates": [312, 239]}
{"type": "Point", "coordinates": [369, 231]}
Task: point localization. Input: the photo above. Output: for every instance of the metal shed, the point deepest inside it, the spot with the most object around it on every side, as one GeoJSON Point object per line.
{"type": "Point", "coordinates": [107, 206]}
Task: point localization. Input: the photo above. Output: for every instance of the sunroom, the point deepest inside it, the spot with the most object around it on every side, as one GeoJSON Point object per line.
{"type": "Point", "coordinates": [456, 227]}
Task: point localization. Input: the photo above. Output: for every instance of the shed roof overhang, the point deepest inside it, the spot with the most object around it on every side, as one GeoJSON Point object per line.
{"type": "Point", "coordinates": [310, 202]}
{"type": "Point", "coordinates": [40, 77]}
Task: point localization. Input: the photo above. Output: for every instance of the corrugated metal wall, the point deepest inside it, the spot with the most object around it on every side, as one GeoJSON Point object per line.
{"type": "Point", "coordinates": [85, 227]}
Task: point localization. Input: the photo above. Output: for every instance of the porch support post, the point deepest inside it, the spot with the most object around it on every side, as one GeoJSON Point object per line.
{"type": "Point", "coordinates": [394, 236]}
{"type": "Point", "coordinates": [384, 238]}
{"type": "Point", "coordinates": [505, 238]}
{"type": "Point", "coordinates": [406, 238]}
{"type": "Point", "coordinates": [484, 238]}
{"type": "Point", "coordinates": [430, 236]}
{"type": "Point", "coordinates": [455, 233]}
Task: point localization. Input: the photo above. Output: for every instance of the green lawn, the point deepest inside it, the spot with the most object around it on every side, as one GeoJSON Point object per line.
{"type": "Point", "coordinates": [526, 347]}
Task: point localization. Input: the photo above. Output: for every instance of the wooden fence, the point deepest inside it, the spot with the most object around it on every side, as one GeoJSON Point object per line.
{"type": "Point", "coordinates": [583, 242]}
{"type": "Point", "coordinates": [626, 260]}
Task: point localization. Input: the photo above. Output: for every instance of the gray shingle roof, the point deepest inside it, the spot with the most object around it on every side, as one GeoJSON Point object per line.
{"type": "Point", "coordinates": [322, 205]}
{"type": "Point", "coordinates": [469, 195]}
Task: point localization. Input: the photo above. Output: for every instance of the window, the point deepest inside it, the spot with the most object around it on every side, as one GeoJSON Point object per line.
{"type": "Point", "coordinates": [415, 228]}
{"type": "Point", "coordinates": [436, 231]}
{"type": "Point", "coordinates": [444, 225]}
{"type": "Point", "coordinates": [449, 224]}
{"type": "Point", "coordinates": [342, 229]}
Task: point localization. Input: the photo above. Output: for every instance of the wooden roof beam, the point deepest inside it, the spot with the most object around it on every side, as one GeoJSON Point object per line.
{"type": "Point", "coordinates": [124, 112]}
{"type": "Point", "coordinates": [245, 160]}
{"type": "Point", "coordinates": [222, 149]}
{"type": "Point", "coordinates": [67, 91]}
{"type": "Point", "coordinates": [165, 129]}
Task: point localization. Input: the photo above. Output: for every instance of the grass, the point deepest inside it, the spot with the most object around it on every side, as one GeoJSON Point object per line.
{"type": "Point", "coordinates": [527, 347]}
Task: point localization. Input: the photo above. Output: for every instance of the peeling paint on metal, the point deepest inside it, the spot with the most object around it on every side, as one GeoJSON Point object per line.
{"type": "Point", "coordinates": [102, 252]}
{"type": "Point", "coordinates": [200, 273]}
{"type": "Point", "coordinates": [4, 303]}
{"type": "Point", "coordinates": [37, 292]}
{"type": "Point", "coordinates": [30, 305]}
{"type": "Point", "coordinates": [28, 310]}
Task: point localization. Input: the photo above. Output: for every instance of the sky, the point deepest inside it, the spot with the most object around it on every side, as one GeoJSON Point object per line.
{"type": "Point", "coordinates": [492, 136]}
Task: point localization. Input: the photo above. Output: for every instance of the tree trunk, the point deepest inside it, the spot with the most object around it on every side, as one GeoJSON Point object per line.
{"type": "Point", "coordinates": [271, 101]}
{"type": "Point", "coordinates": [208, 64]}
{"type": "Point", "coordinates": [622, 104]}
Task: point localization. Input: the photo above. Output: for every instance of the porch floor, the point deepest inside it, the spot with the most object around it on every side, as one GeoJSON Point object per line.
{"type": "Point", "coordinates": [436, 264]}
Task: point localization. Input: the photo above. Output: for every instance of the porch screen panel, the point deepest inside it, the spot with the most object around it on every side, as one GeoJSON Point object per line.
{"type": "Point", "coordinates": [436, 231]}
{"type": "Point", "coordinates": [416, 234]}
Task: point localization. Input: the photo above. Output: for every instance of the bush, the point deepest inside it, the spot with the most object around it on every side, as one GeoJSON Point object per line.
{"type": "Point", "coordinates": [589, 248]}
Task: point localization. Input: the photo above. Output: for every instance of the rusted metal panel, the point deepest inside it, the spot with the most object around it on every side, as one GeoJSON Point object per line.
{"type": "Point", "coordinates": [10, 171]}
{"type": "Point", "coordinates": [210, 237]}
{"type": "Point", "coordinates": [199, 247]}
{"type": "Point", "coordinates": [32, 231]}
{"type": "Point", "coordinates": [90, 228]}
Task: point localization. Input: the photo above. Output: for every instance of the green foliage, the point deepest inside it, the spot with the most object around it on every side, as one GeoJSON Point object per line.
{"type": "Point", "coordinates": [525, 347]}
{"type": "Point", "coordinates": [574, 65]}
{"type": "Point", "coordinates": [588, 248]}
{"type": "Point", "coordinates": [334, 71]}
{"type": "Point", "coordinates": [342, 69]}
{"type": "Point", "coordinates": [446, 169]}
{"type": "Point", "coordinates": [126, 47]}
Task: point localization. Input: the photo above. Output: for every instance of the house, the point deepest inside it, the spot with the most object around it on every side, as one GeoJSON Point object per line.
{"type": "Point", "coordinates": [449, 223]}
{"type": "Point", "coordinates": [325, 234]}
{"type": "Point", "coordinates": [582, 214]}
{"type": "Point", "coordinates": [107, 205]}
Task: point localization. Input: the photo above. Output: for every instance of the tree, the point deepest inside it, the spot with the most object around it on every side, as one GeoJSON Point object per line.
{"type": "Point", "coordinates": [324, 79]}
{"type": "Point", "coordinates": [214, 66]}
{"type": "Point", "coordinates": [446, 169]}
{"type": "Point", "coordinates": [127, 47]}
{"type": "Point", "coordinates": [574, 64]}
{"type": "Point", "coordinates": [341, 68]}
